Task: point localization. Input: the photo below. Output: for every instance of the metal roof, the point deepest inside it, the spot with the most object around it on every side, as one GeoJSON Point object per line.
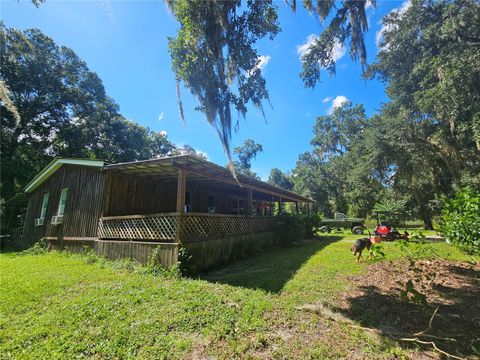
{"type": "Point", "coordinates": [165, 169]}
{"type": "Point", "coordinates": [200, 170]}
{"type": "Point", "coordinates": [54, 165]}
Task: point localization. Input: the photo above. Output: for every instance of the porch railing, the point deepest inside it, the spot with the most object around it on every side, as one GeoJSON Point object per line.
{"type": "Point", "coordinates": [181, 227]}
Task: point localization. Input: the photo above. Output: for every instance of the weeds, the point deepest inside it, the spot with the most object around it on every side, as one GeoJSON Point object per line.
{"type": "Point", "coordinates": [376, 252]}
{"type": "Point", "coordinates": [38, 248]}
{"type": "Point", "coordinates": [415, 249]}
{"type": "Point", "coordinates": [154, 267]}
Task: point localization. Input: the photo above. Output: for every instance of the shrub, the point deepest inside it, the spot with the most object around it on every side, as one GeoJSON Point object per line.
{"type": "Point", "coordinates": [288, 229]}
{"type": "Point", "coordinates": [310, 223]}
{"type": "Point", "coordinates": [38, 248]}
{"type": "Point", "coordinates": [295, 227]}
{"type": "Point", "coordinates": [460, 222]}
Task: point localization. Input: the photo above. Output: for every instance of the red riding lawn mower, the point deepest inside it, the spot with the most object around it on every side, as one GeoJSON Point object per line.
{"type": "Point", "coordinates": [385, 230]}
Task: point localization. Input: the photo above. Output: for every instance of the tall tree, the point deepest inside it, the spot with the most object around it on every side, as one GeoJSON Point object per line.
{"type": "Point", "coordinates": [246, 153]}
{"type": "Point", "coordinates": [215, 58]}
{"type": "Point", "coordinates": [430, 63]}
{"type": "Point", "coordinates": [312, 179]}
{"type": "Point", "coordinates": [338, 172]}
{"type": "Point", "coordinates": [334, 133]}
{"type": "Point", "coordinates": [53, 105]}
{"type": "Point", "coordinates": [280, 179]}
{"type": "Point", "coordinates": [348, 22]}
{"type": "Point", "coordinates": [49, 85]}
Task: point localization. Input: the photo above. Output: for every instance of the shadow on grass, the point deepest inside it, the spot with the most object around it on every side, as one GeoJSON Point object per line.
{"type": "Point", "coordinates": [454, 328]}
{"type": "Point", "coordinates": [272, 269]}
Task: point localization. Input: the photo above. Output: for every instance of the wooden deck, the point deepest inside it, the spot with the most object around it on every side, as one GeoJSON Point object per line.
{"type": "Point", "coordinates": [181, 227]}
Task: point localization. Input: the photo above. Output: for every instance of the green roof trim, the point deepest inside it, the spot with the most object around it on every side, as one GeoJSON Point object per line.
{"type": "Point", "coordinates": [54, 165]}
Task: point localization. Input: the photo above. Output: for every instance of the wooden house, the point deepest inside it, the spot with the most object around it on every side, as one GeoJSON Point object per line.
{"type": "Point", "coordinates": [128, 209]}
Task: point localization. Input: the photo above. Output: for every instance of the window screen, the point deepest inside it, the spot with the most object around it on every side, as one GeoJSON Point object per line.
{"type": "Point", "coordinates": [62, 202]}
{"type": "Point", "coordinates": [43, 212]}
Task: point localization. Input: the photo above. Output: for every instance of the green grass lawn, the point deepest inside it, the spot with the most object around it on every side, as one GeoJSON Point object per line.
{"type": "Point", "coordinates": [57, 305]}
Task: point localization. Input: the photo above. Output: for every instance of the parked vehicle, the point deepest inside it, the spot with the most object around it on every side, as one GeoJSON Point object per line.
{"type": "Point", "coordinates": [385, 229]}
{"type": "Point", "coordinates": [341, 221]}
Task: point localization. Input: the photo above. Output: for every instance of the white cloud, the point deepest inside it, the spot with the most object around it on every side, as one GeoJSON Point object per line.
{"type": "Point", "coordinates": [338, 49]}
{"type": "Point", "coordinates": [161, 116]}
{"type": "Point", "coordinates": [404, 7]}
{"type": "Point", "coordinates": [379, 34]}
{"type": "Point", "coordinates": [107, 5]}
{"type": "Point", "coordinates": [327, 99]}
{"type": "Point", "coordinates": [305, 48]}
{"type": "Point", "coordinates": [338, 101]}
{"type": "Point", "coordinates": [368, 4]}
{"type": "Point", "coordinates": [164, 133]}
{"type": "Point", "coordinates": [262, 62]}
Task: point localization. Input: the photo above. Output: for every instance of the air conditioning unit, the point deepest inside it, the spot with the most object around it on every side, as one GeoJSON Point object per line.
{"type": "Point", "coordinates": [39, 221]}
{"type": "Point", "coordinates": [57, 220]}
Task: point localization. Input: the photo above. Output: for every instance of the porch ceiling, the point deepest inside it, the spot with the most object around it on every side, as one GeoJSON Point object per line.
{"type": "Point", "coordinates": [204, 173]}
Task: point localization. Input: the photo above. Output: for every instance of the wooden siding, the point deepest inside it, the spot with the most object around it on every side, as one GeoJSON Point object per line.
{"type": "Point", "coordinates": [138, 251]}
{"type": "Point", "coordinates": [133, 195]}
{"type": "Point", "coordinates": [86, 187]}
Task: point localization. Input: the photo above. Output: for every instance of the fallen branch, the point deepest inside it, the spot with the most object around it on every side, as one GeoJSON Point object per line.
{"type": "Point", "coordinates": [330, 315]}
{"type": "Point", "coordinates": [429, 324]}
{"type": "Point", "coordinates": [429, 343]}
{"type": "Point", "coordinates": [411, 340]}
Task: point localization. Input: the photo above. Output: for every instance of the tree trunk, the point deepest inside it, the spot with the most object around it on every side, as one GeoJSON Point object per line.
{"type": "Point", "coordinates": [427, 221]}
{"type": "Point", "coordinates": [427, 224]}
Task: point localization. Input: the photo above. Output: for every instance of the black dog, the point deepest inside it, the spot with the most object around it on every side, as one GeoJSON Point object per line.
{"type": "Point", "coordinates": [360, 245]}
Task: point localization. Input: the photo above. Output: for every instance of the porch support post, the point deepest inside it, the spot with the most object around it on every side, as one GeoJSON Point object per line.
{"type": "Point", "coordinates": [308, 209]}
{"type": "Point", "coordinates": [108, 190]}
{"type": "Point", "coordinates": [296, 206]}
{"type": "Point", "coordinates": [249, 202]}
{"type": "Point", "coordinates": [279, 205]}
{"type": "Point", "coordinates": [181, 186]}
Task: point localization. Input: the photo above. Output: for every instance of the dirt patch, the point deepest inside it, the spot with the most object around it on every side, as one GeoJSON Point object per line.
{"type": "Point", "coordinates": [375, 301]}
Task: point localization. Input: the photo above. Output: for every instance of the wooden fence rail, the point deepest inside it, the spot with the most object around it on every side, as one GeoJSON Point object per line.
{"type": "Point", "coordinates": [181, 227]}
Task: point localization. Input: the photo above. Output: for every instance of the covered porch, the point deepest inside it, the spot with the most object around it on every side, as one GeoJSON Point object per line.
{"type": "Point", "coordinates": [185, 199]}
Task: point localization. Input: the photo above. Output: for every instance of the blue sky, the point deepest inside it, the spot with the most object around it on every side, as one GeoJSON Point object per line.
{"type": "Point", "coordinates": [125, 43]}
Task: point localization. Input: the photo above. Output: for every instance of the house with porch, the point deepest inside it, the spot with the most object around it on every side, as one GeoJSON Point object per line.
{"type": "Point", "coordinates": [130, 209]}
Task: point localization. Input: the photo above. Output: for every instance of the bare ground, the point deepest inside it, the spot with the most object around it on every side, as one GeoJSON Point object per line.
{"type": "Point", "coordinates": [452, 289]}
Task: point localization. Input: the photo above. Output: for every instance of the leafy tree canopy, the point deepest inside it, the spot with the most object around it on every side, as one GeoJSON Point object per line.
{"type": "Point", "coordinates": [430, 63]}
{"type": "Point", "coordinates": [334, 133]}
{"type": "Point", "coordinates": [53, 105]}
{"type": "Point", "coordinates": [215, 58]}
{"type": "Point", "coordinates": [280, 179]}
{"type": "Point", "coordinates": [246, 153]}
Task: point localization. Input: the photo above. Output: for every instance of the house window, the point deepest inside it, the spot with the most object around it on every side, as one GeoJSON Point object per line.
{"type": "Point", "coordinates": [188, 201]}
{"type": "Point", "coordinates": [62, 202]}
{"type": "Point", "coordinates": [238, 206]}
{"type": "Point", "coordinates": [44, 206]}
{"type": "Point", "coordinates": [211, 204]}
{"type": "Point", "coordinates": [43, 211]}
